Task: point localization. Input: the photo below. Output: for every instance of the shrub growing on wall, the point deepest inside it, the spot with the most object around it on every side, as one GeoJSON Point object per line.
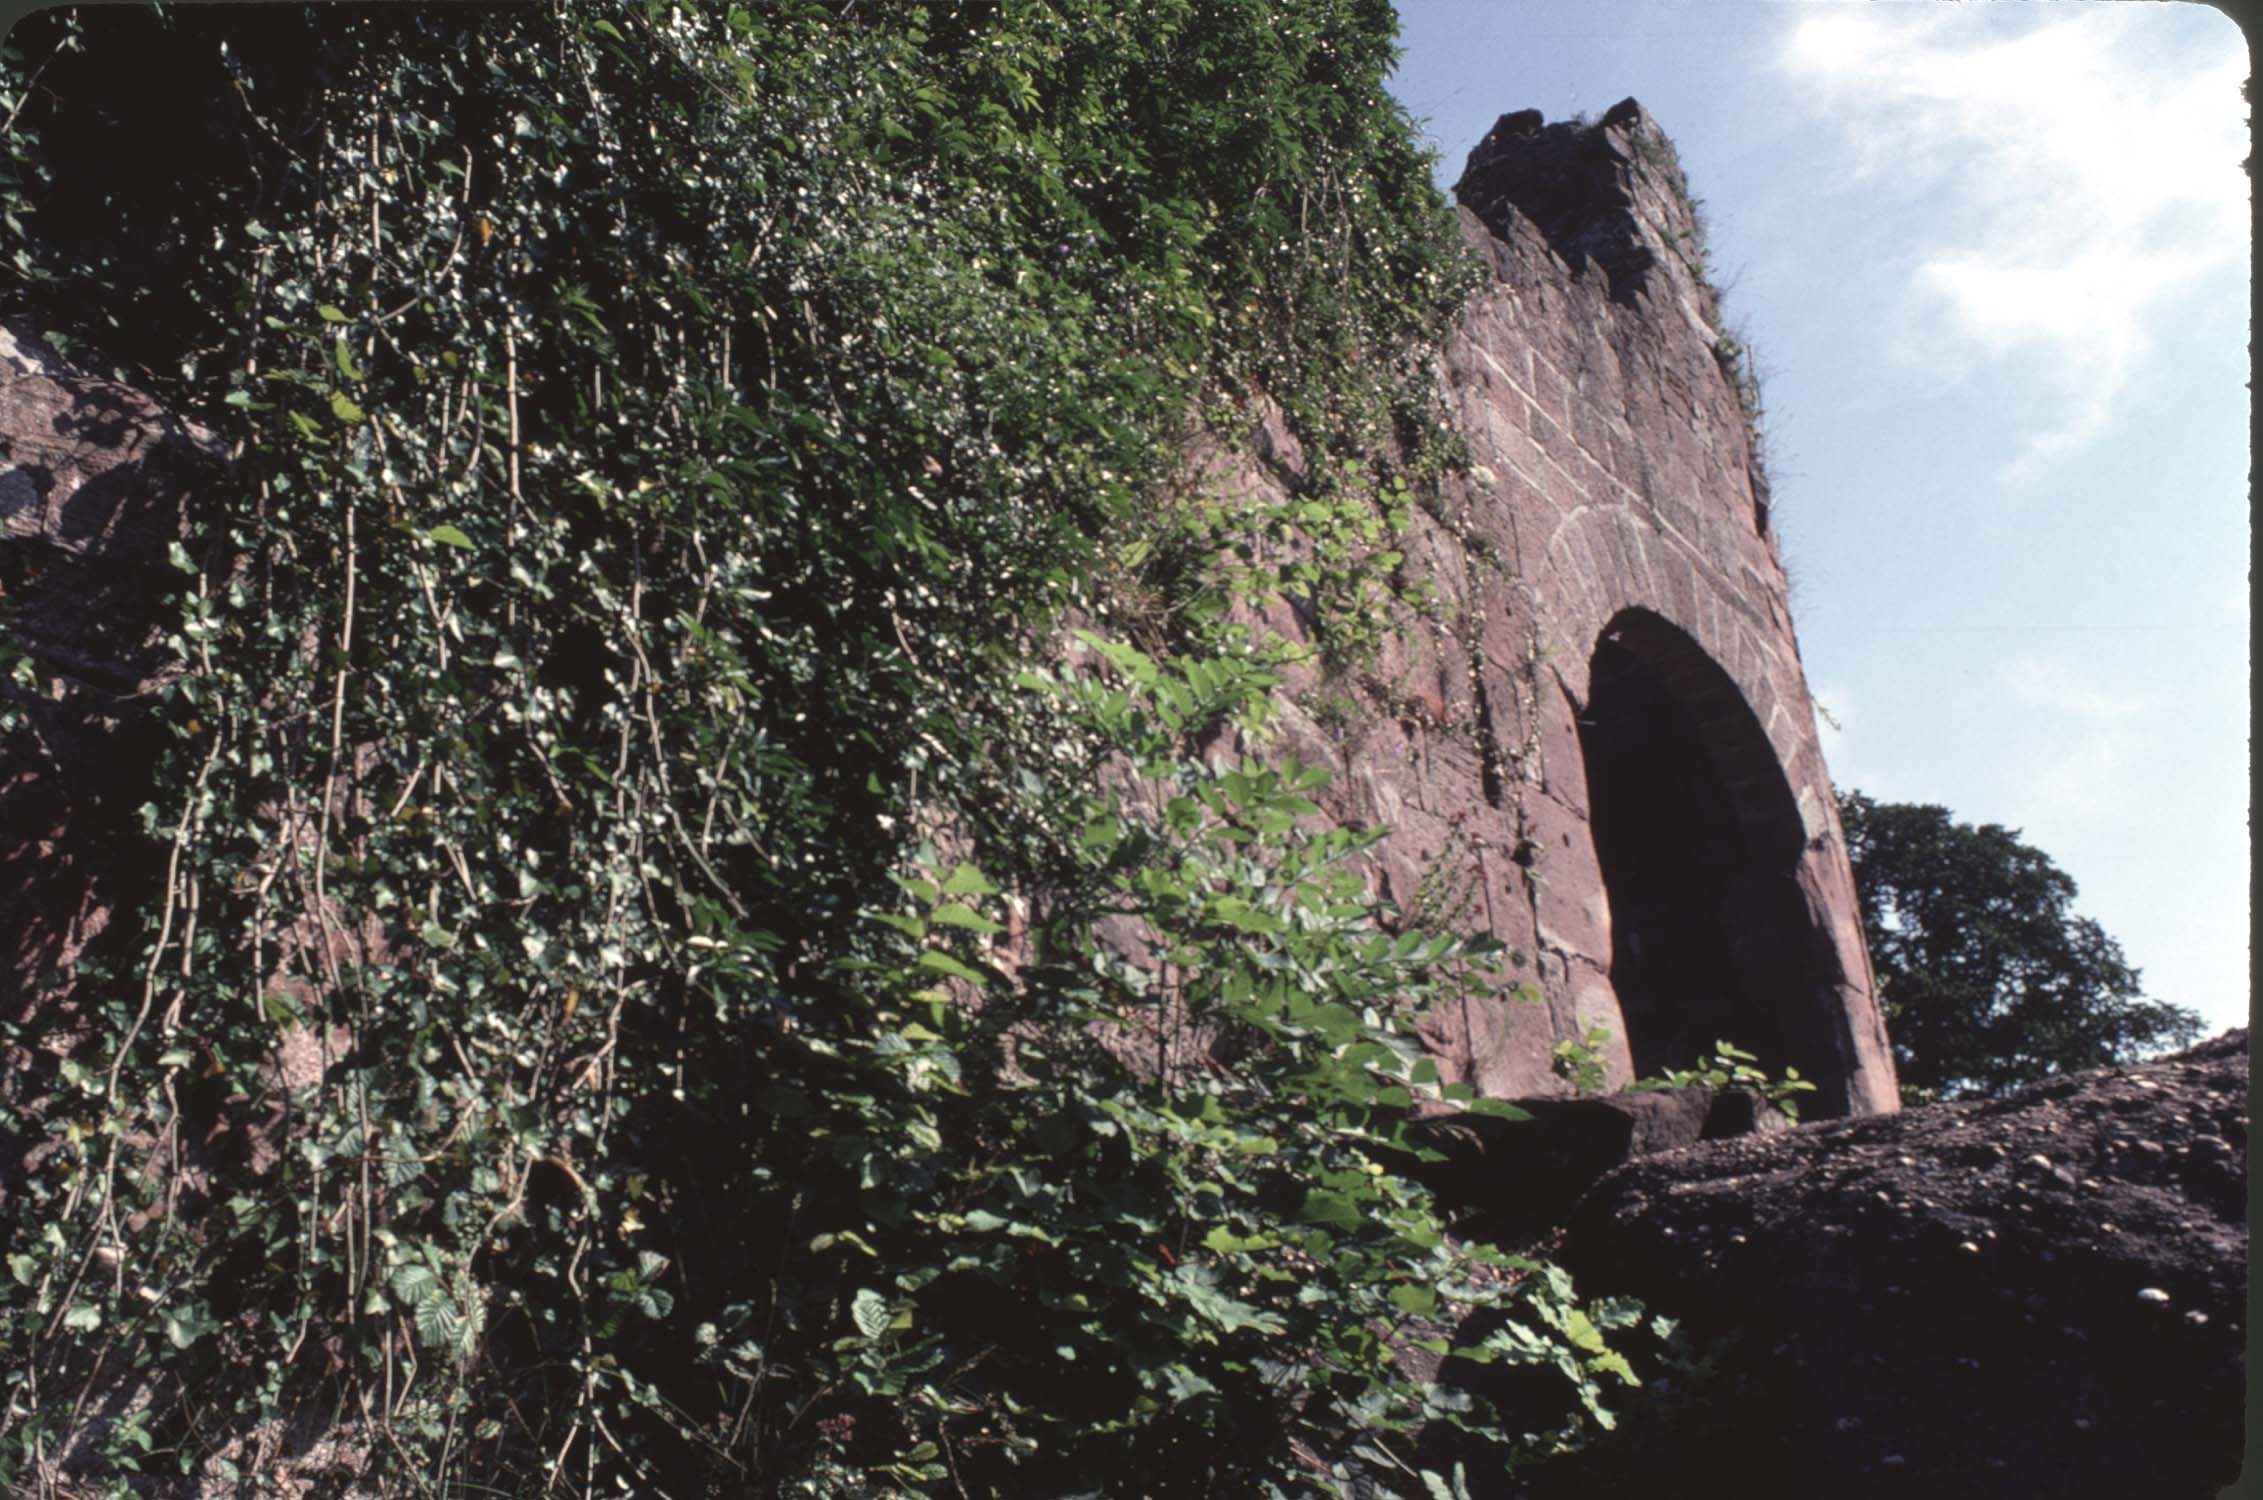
{"type": "Point", "coordinates": [614, 1002]}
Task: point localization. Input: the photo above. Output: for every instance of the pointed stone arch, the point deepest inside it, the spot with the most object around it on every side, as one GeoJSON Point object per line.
{"type": "Point", "coordinates": [1700, 841]}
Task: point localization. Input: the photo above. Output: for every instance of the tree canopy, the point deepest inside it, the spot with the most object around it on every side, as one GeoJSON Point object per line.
{"type": "Point", "coordinates": [1989, 977]}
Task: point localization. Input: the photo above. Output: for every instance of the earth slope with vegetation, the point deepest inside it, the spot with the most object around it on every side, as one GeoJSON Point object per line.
{"type": "Point", "coordinates": [596, 985]}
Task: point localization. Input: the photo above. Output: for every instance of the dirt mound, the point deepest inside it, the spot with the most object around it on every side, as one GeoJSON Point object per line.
{"type": "Point", "coordinates": [2039, 1295]}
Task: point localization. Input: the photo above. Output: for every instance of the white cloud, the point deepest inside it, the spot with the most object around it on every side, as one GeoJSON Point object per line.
{"type": "Point", "coordinates": [2081, 747]}
{"type": "Point", "coordinates": [2070, 172]}
{"type": "Point", "coordinates": [2060, 686]}
{"type": "Point", "coordinates": [2078, 785]}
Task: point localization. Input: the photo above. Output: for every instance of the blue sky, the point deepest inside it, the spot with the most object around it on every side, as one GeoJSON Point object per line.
{"type": "Point", "coordinates": [1994, 260]}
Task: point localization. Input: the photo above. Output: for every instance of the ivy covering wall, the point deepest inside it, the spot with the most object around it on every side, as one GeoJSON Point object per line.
{"type": "Point", "coordinates": [613, 999]}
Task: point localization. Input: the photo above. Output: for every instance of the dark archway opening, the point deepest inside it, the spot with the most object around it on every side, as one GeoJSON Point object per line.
{"type": "Point", "coordinates": [1699, 839]}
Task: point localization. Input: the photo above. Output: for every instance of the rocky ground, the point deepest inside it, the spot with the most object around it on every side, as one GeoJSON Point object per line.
{"type": "Point", "coordinates": [2044, 1294]}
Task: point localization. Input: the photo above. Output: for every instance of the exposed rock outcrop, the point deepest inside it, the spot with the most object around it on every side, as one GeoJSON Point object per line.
{"type": "Point", "coordinates": [96, 485]}
{"type": "Point", "coordinates": [2039, 1295]}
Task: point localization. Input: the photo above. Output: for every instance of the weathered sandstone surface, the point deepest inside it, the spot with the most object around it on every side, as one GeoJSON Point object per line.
{"type": "Point", "coordinates": [1601, 749]}
{"type": "Point", "coordinates": [96, 484]}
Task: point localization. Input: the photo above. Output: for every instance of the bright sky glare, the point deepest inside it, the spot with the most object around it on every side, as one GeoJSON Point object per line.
{"type": "Point", "coordinates": [1994, 259]}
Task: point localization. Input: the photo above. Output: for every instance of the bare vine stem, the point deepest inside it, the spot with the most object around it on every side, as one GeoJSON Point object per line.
{"type": "Point", "coordinates": [104, 1218]}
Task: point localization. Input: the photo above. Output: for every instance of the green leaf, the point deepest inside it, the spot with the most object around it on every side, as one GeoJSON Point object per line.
{"type": "Point", "coordinates": [1228, 1313]}
{"type": "Point", "coordinates": [1582, 1332]}
{"type": "Point", "coordinates": [414, 1284]}
{"type": "Point", "coordinates": [1184, 1384]}
{"type": "Point", "coordinates": [939, 962]}
{"type": "Point", "coordinates": [869, 1311]}
{"type": "Point", "coordinates": [331, 314]}
{"type": "Point", "coordinates": [966, 880]}
{"type": "Point", "coordinates": [83, 1317]}
{"type": "Point", "coordinates": [1226, 1242]}
{"type": "Point", "coordinates": [1137, 665]}
{"type": "Point", "coordinates": [1615, 1363]}
{"type": "Point", "coordinates": [1336, 1210]}
{"type": "Point", "coordinates": [344, 409]}
{"type": "Point", "coordinates": [449, 536]}
{"type": "Point", "coordinates": [1440, 1490]}
{"type": "Point", "coordinates": [438, 1322]}
{"type": "Point", "coordinates": [1245, 917]}
{"type": "Point", "coordinates": [1420, 1301]}
{"type": "Point", "coordinates": [185, 1325]}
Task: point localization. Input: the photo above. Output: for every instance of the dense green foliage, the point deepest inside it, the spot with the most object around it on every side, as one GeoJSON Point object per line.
{"type": "Point", "coordinates": [1988, 977]}
{"type": "Point", "coordinates": [617, 999]}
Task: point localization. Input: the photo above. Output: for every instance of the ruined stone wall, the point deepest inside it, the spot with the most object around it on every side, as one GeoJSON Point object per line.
{"type": "Point", "coordinates": [1605, 570]}
{"type": "Point", "coordinates": [1598, 747]}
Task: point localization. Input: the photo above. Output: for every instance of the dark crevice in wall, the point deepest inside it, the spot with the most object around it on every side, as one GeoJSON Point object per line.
{"type": "Point", "coordinates": [1489, 758]}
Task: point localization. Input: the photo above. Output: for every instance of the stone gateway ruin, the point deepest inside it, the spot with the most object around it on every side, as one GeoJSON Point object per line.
{"type": "Point", "coordinates": [1600, 749]}
{"type": "Point", "coordinates": [1606, 752]}
{"type": "Point", "coordinates": [1585, 728]}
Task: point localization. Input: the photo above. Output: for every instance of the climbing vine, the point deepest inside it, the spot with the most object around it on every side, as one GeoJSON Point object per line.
{"type": "Point", "coordinates": [615, 997]}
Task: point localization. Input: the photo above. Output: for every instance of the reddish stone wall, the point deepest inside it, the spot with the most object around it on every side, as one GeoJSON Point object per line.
{"type": "Point", "coordinates": [1613, 471]}
{"type": "Point", "coordinates": [1613, 490]}
{"type": "Point", "coordinates": [96, 481]}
